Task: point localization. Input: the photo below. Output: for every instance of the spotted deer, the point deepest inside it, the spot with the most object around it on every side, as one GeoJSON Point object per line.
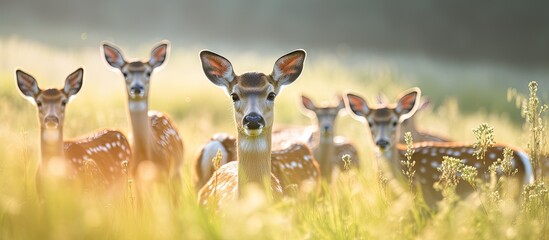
{"type": "Point", "coordinates": [99, 160]}
{"type": "Point", "coordinates": [384, 122]}
{"type": "Point", "coordinates": [156, 143]}
{"type": "Point", "coordinates": [328, 148]}
{"type": "Point", "coordinates": [253, 95]}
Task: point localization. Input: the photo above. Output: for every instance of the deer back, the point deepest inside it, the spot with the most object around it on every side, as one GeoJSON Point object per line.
{"type": "Point", "coordinates": [105, 154]}
{"type": "Point", "coordinates": [295, 165]}
{"type": "Point", "coordinates": [168, 147]}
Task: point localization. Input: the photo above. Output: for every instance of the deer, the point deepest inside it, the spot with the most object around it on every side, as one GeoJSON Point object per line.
{"type": "Point", "coordinates": [99, 160]}
{"type": "Point", "coordinates": [253, 95]}
{"type": "Point", "coordinates": [328, 148]}
{"type": "Point", "coordinates": [156, 142]}
{"type": "Point", "coordinates": [384, 122]}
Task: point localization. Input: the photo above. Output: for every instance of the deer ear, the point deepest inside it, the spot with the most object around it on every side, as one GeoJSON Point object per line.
{"type": "Point", "coordinates": [357, 105]}
{"type": "Point", "coordinates": [158, 55]}
{"type": "Point", "coordinates": [340, 102]}
{"type": "Point", "coordinates": [425, 103]}
{"type": "Point", "coordinates": [73, 83]}
{"type": "Point", "coordinates": [288, 67]}
{"type": "Point", "coordinates": [408, 103]}
{"type": "Point", "coordinates": [217, 68]}
{"type": "Point", "coordinates": [308, 103]}
{"type": "Point", "coordinates": [27, 84]}
{"type": "Point", "coordinates": [113, 56]}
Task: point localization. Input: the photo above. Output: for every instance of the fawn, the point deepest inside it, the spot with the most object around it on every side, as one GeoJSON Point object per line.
{"type": "Point", "coordinates": [253, 95]}
{"type": "Point", "coordinates": [98, 160]}
{"type": "Point", "coordinates": [384, 122]}
{"type": "Point", "coordinates": [156, 143]}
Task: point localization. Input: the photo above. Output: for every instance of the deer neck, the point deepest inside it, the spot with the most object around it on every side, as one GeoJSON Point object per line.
{"type": "Point", "coordinates": [324, 154]}
{"type": "Point", "coordinates": [51, 144]}
{"type": "Point", "coordinates": [392, 155]}
{"type": "Point", "coordinates": [254, 160]}
{"type": "Point", "coordinates": [141, 131]}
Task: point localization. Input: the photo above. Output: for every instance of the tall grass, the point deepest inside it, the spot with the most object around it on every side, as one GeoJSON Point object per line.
{"type": "Point", "coordinates": [354, 208]}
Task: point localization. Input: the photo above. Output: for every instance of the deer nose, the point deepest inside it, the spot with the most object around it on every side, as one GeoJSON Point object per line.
{"type": "Point", "coordinates": [382, 143]}
{"type": "Point", "coordinates": [51, 122]}
{"type": "Point", "coordinates": [326, 128]}
{"type": "Point", "coordinates": [253, 121]}
{"type": "Point", "coordinates": [137, 90]}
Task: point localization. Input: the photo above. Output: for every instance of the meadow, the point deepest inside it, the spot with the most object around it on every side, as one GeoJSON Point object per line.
{"type": "Point", "coordinates": [356, 207]}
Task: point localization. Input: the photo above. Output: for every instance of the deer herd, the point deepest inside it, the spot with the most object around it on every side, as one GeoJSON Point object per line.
{"type": "Point", "coordinates": [286, 162]}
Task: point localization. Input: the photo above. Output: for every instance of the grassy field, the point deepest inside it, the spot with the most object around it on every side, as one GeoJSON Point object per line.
{"type": "Point", "coordinates": [355, 208]}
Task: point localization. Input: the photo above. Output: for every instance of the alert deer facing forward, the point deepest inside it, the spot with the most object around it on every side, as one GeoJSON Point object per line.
{"type": "Point", "coordinates": [156, 142]}
{"type": "Point", "coordinates": [253, 95]}
{"type": "Point", "coordinates": [328, 148]}
{"type": "Point", "coordinates": [384, 122]}
{"type": "Point", "coordinates": [99, 161]}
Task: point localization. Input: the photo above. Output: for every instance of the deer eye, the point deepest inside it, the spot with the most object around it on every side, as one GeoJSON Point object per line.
{"type": "Point", "coordinates": [64, 103]}
{"type": "Point", "coordinates": [370, 124]}
{"type": "Point", "coordinates": [39, 103]}
{"type": "Point", "coordinates": [148, 74]}
{"type": "Point", "coordinates": [125, 74]}
{"type": "Point", "coordinates": [235, 97]}
{"type": "Point", "coordinates": [395, 123]}
{"type": "Point", "coordinates": [271, 96]}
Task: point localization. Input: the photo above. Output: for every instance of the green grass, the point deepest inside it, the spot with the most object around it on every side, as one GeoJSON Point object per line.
{"type": "Point", "coordinates": [354, 208]}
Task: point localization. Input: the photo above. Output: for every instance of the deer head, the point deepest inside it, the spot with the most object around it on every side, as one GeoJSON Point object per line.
{"type": "Point", "coordinates": [253, 93]}
{"type": "Point", "coordinates": [137, 73]}
{"type": "Point", "coordinates": [51, 102]}
{"type": "Point", "coordinates": [325, 115]}
{"type": "Point", "coordinates": [384, 120]}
